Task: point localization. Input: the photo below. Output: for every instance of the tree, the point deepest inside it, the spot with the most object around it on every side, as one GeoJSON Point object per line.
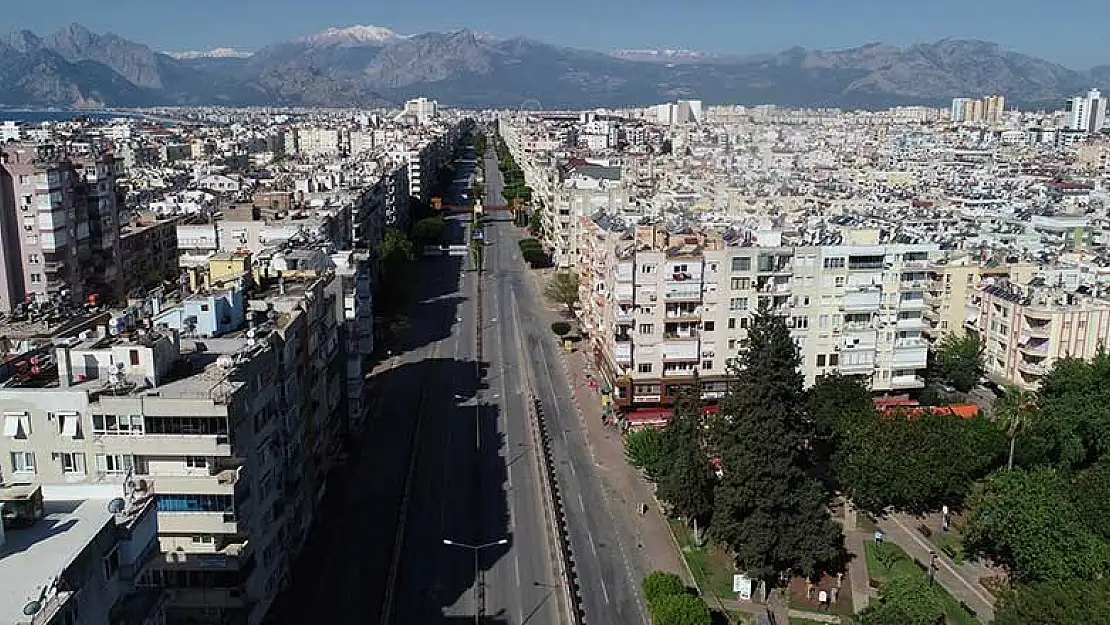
{"type": "Point", "coordinates": [832, 405]}
{"type": "Point", "coordinates": [535, 223]}
{"type": "Point", "coordinates": [563, 289]}
{"type": "Point", "coordinates": [1075, 430]}
{"type": "Point", "coordinates": [647, 450]}
{"type": "Point", "coordinates": [1014, 410]}
{"type": "Point", "coordinates": [1091, 493]}
{"type": "Point", "coordinates": [767, 510]}
{"type": "Point", "coordinates": [959, 360]}
{"type": "Point", "coordinates": [561, 328]}
{"type": "Point", "coordinates": [687, 483]}
{"type": "Point", "coordinates": [914, 460]}
{"type": "Point", "coordinates": [1027, 521]}
{"type": "Point", "coordinates": [396, 253]}
{"type": "Point", "coordinates": [682, 609]}
{"type": "Point", "coordinates": [906, 599]}
{"type": "Point", "coordinates": [429, 229]}
{"type": "Point", "coordinates": [1075, 602]}
{"type": "Point", "coordinates": [659, 584]}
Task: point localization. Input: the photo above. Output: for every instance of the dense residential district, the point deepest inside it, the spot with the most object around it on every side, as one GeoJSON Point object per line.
{"type": "Point", "coordinates": [678, 364]}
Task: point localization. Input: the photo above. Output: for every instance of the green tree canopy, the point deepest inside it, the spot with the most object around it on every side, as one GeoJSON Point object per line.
{"type": "Point", "coordinates": [1091, 494]}
{"type": "Point", "coordinates": [1073, 398]}
{"type": "Point", "coordinates": [905, 600]}
{"type": "Point", "coordinates": [647, 450]}
{"type": "Point", "coordinates": [959, 360]}
{"type": "Point", "coordinates": [1015, 411]}
{"type": "Point", "coordinates": [914, 461]}
{"type": "Point", "coordinates": [429, 229]}
{"type": "Point", "coordinates": [832, 406]}
{"type": "Point", "coordinates": [1027, 521]}
{"type": "Point", "coordinates": [659, 584]}
{"type": "Point", "coordinates": [563, 289]}
{"type": "Point", "coordinates": [767, 510]}
{"type": "Point", "coordinates": [688, 481]}
{"type": "Point", "coordinates": [1076, 602]}
{"type": "Point", "coordinates": [396, 255]}
{"type": "Point", "coordinates": [682, 609]}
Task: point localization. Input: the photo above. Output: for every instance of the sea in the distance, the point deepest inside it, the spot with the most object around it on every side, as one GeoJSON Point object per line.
{"type": "Point", "coordinates": [38, 117]}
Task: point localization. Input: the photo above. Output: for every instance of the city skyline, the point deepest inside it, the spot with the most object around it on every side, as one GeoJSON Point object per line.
{"type": "Point", "coordinates": [702, 26]}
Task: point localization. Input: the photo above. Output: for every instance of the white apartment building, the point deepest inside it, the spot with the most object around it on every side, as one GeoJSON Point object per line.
{"type": "Point", "coordinates": [217, 431]}
{"type": "Point", "coordinates": [1027, 328]}
{"type": "Point", "coordinates": [1086, 113]}
{"type": "Point", "coordinates": [663, 306]}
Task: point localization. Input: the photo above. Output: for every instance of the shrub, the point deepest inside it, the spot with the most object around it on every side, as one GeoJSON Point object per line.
{"type": "Point", "coordinates": [561, 328]}
{"type": "Point", "coordinates": [659, 584]}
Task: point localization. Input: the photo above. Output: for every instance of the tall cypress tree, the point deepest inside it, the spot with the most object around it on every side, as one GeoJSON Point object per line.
{"type": "Point", "coordinates": [688, 482]}
{"type": "Point", "coordinates": [767, 509]}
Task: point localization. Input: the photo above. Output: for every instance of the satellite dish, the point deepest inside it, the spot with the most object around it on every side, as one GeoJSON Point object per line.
{"type": "Point", "coordinates": [32, 608]}
{"type": "Point", "coordinates": [117, 505]}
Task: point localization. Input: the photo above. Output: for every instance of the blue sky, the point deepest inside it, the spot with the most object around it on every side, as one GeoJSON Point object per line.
{"type": "Point", "coordinates": [1072, 32]}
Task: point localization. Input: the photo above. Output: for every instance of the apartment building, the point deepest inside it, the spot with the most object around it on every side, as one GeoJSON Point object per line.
{"type": "Point", "coordinates": [59, 225]}
{"type": "Point", "coordinates": [1027, 328]}
{"type": "Point", "coordinates": [148, 247]}
{"type": "Point", "coordinates": [953, 279]}
{"type": "Point", "coordinates": [71, 555]}
{"type": "Point", "coordinates": [233, 436]}
{"type": "Point", "coordinates": [662, 306]}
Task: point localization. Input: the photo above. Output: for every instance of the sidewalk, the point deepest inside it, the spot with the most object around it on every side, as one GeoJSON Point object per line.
{"type": "Point", "coordinates": [962, 581]}
{"type": "Point", "coordinates": [858, 578]}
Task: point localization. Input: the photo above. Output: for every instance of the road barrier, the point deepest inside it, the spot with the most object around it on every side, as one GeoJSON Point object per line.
{"type": "Point", "coordinates": [557, 513]}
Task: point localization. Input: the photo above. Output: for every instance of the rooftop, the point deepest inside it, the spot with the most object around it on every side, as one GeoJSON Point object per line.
{"type": "Point", "coordinates": [32, 557]}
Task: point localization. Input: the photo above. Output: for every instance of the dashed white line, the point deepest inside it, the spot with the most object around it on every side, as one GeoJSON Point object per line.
{"type": "Point", "coordinates": [581, 503]}
{"type": "Point", "coordinates": [593, 547]}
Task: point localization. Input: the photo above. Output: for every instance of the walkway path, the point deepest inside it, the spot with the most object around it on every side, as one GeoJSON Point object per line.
{"type": "Point", "coordinates": [961, 581]}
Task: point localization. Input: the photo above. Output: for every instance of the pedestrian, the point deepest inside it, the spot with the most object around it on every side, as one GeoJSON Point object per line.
{"type": "Point", "coordinates": [878, 537]}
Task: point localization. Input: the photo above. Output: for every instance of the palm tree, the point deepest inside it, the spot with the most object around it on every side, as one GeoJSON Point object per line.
{"type": "Point", "coordinates": [1014, 410]}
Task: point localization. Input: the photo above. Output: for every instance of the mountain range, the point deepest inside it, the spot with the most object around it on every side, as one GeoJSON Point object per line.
{"type": "Point", "coordinates": [373, 66]}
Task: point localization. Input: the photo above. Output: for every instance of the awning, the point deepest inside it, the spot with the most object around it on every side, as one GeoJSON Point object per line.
{"type": "Point", "coordinates": [649, 415]}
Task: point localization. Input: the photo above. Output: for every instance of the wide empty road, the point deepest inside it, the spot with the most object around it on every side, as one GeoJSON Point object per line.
{"type": "Point", "coordinates": [607, 557]}
{"type": "Point", "coordinates": [447, 456]}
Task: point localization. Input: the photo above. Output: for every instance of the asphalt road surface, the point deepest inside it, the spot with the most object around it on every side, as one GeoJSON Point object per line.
{"type": "Point", "coordinates": [447, 455]}
{"type": "Point", "coordinates": [608, 563]}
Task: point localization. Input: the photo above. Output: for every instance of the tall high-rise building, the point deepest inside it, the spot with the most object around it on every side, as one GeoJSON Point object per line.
{"type": "Point", "coordinates": [959, 109]}
{"type": "Point", "coordinates": [988, 109]}
{"type": "Point", "coordinates": [1086, 113]}
{"type": "Point", "coordinates": [994, 106]}
{"type": "Point", "coordinates": [59, 225]}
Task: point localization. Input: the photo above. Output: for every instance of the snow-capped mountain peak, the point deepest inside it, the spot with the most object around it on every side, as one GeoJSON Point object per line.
{"type": "Point", "coordinates": [217, 53]}
{"type": "Point", "coordinates": [354, 35]}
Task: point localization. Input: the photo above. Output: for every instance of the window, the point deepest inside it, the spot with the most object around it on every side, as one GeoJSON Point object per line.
{"type": "Point", "coordinates": [839, 281]}
{"type": "Point", "coordinates": [17, 424]}
{"type": "Point", "coordinates": [72, 463]}
{"type": "Point", "coordinates": [122, 425]}
{"type": "Point", "coordinates": [731, 323]}
{"type": "Point", "coordinates": [23, 462]}
{"type": "Point", "coordinates": [741, 284]}
{"type": "Point", "coordinates": [203, 539]}
{"type": "Point", "coordinates": [800, 323]}
{"type": "Point", "coordinates": [134, 357]}
{"type": "Point", "coordinates": [111, 564]}
{"type": "Point", "coordinates": [196, 462]}
{"type": "Point", "coordinates": [834, 263]}
{"type": "Point", "coordinates": [824, 321]}
{"type": "Point", "coordinates": [194, 503]}
{"type": "Point", "coordinates": [744, 323]}
{"type": "Point", "coordinates": [114, 463]}
{"type": "Point", "coordinates": [738, 303]}
{"type": "Point", "coordinates": [644, 367]}
{"type": "Point", "coordinates": [731, 344]}
{"type": "Point", "coordinates": [707, 364]}
{"type": "Point", "coordinates": [69, 424]}
{"type": "Point", "coordinates": [820, 360]}
{"type": "Point", "coordinates": [708, 326]}
{"type": "Point", "coordinates": [834, 360]}
{"type": "Point", "coordinates": [647, 268]}
{"type": "Point", "coordinates": [742, 263]}
{"type": "Point", "coordinates": [36, 278]}
{"type": "Point", "coordinates": [646, 328]}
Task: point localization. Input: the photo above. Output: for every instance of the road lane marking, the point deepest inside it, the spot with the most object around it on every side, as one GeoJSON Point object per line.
{"type": "Point", "coordinates": [581, 504]}
{"type": "Point", "coordinates": [604, 590]}
{"type": "Point", "coordinates": [593, 547]}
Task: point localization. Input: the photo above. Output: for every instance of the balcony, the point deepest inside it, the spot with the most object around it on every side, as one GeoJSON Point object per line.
{"type": "Point", "coordinates": [683, 313]}
{"type": "Point", "coordinates": [691, 335]}
{"type": "Point", "coordinates": [624, 318]}
{"type": "Point", "coordinates": [680, 291]}
{"type": "Point", "coordinates": [910, 358]}
{"type": "Point", "coordinates": [222, 483]}
{"type": "Point", "coordinates": [622, 352]}
{"type": "Point", "coordinates": [1032, 368]}
{"type": "Point", "coordinates": [1041, 331]}
{"type": "Point", "coordinates": [680, 350]}
{"type": "Point", "coordinates": [679, 373]}
{"type": "Point", "coordinates": [197, 523]}
{"type": "Point", "coordinates": [165, 444]}
{"type": "Point", "coordinates": [912, 304]}
{"type": "Point", "coordinates": [911, 323]}
{"type": "Point", "coordinates": [622, 338]}
{"type": "Point", "coordinates": [862, 301]}
{"type": "Point", "coordinates": [907, 381]}
{"type": "Point", "coordinates": [623, 292]}
{"type": "Point", "coordinates": [1039, 348]}
{"type": "Point", "coordinates": [856, 368]}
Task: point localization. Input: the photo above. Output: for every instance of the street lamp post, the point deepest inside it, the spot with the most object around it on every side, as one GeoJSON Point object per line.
{"type": "Point", "coordinates": [477, 584]}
